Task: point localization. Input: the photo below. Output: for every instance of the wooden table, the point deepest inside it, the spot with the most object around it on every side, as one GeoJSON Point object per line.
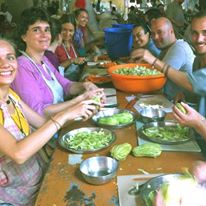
{"type": "Point", "coordinates": [61, 176]}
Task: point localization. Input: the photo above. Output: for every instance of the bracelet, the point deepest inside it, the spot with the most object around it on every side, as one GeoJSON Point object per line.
{"type": "Point", "coordinates": [154, 62]}
{"type": "Point", "coordinates": [56, 123]}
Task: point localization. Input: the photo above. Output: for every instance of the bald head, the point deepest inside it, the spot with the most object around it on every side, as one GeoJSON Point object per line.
{"type": "Point", "coordinates": [161, 22]}
{"type": "Point", "coordinates": [162, 32]}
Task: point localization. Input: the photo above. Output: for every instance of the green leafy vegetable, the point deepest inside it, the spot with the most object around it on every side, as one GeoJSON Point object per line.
{"type": "Point", "coordinates": [181, 108]}
{"type": "Point", "coordinates": [137, 71]}
{"type": "Point", "coordinates": [168, 133]}
{"type": "Point", "coordinates": [88, 140]}
{"type": "Point", "coordinates": [121, 151]}
{"type": "Point", "coordinates": [117, 119]}
{"type": "Point", "coordinates": [147, 150]}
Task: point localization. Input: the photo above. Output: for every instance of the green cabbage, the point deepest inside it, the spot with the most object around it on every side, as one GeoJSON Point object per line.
{"type": "Point", "coordinates": [147, 150]}
{"type": "Point", "coordinates": [121, 151]}
{"type": "Point", "coordinates": [117, 119]}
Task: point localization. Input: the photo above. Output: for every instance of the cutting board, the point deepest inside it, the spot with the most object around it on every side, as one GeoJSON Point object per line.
{"type": "Point", "coordinates": [125, 183]}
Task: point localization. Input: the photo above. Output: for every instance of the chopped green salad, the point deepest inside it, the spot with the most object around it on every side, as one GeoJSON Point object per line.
{"type": "Point", "coordinates": [137, 71]}
{"type": "Point", "coordinates": [88, 140]}
{"type": "Point", "coordinates": [168, 133]}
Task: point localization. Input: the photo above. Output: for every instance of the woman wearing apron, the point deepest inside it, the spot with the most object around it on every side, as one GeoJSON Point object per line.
{"type": "Point", "coordinates": [21, 168]}
{"type": "Point", "coordinates": [66, 52]}
{"type": "Point", "coordinates": [37, 82]}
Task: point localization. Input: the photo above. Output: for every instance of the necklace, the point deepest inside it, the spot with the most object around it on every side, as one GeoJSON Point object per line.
{"type": "Point", "coordinates": [18, 115]}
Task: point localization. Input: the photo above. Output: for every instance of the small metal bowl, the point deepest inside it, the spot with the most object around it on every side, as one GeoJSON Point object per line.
{"type": "Point", "coordinates": [149, 114]}
{"type": "Point", "coordinates": [99, 170]}
{"type": "Point", "coordinates": [108, 113]}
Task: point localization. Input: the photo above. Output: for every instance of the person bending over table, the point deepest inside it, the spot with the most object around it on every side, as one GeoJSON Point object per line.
{"type": "Point", "coordinates": [21, 167]}
{"type": "Point", "coordinates": [37, 82]}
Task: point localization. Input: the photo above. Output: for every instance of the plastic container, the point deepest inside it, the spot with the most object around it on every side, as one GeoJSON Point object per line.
{"type": "Point", "coordinates": [123, 26]}
{"type": "Point", "coordinates": [118, 42]}
{"type": "Point", "coordinates": [130, 83]}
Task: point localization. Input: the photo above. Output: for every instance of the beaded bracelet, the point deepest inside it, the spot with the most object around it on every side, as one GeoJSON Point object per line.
{"type": "Point", "coordinates": [56, 123]}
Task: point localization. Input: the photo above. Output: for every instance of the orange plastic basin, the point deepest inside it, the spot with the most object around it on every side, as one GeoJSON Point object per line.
{"type": "Point", "coordinates": [129, 83]}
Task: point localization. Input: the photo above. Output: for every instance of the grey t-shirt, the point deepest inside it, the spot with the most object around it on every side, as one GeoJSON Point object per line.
{"type": "Point", "coordinates": [180, 57]}
{"type": "Point", "coordinates": [198, 81]}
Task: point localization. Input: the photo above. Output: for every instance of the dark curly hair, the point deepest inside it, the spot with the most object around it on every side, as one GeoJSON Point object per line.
{"type": "Point", "coordinates": [29, 17]}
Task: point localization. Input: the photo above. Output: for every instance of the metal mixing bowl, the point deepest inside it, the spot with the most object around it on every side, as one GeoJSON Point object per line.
{"type": "Point", "coordinates": [149, 114]}
{"type": "Point", "coordinates": [99, 170]}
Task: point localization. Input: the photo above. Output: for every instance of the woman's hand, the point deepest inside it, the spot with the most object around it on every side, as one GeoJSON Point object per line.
{"type": "Point", "coordinates": [199, 171]}
{"type": "Point", "coordinates": [89, 86]}
{"type": "Point", "coordinates": [158, 200]}
{"type": "Point", "coordinates": [140, 55]}
{"type": "Point", "coordinates": [95, 93]}
{"type": "Point", "coordinates": [85, 109]}
{"type": "Point", "coordinates": [192, 118]}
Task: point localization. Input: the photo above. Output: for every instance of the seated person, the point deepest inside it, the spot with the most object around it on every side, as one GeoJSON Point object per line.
{"type": "Point", "coordinates": [83, 36]}
{"type": "Point", "coordinates": [21, 166]}
{"type": "Point", "coordinates": [56, 40]}
{"type": "Point", "coordinates": [141, 39]}
{"type": "Point", "coordinates": [176, 53]}
{"type": "Point", "coordinates": [66, 52]}
{"type": "Point", "coordinates": [36, 76]}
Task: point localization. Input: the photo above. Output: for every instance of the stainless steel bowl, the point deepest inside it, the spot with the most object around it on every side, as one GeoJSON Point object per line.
{"type": "Point", "coordinates": [108, 113]}
{"type": "Point", "coordinates": [149, 114]}
{"type": "Point", "coordinates": [154, 185]}
{"type": "Point", "coordinates": [63, 140]}
{"type": "Point", "coordinates": [99, 170]}
{"type": "Point", "coordinates": [173, 132]}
